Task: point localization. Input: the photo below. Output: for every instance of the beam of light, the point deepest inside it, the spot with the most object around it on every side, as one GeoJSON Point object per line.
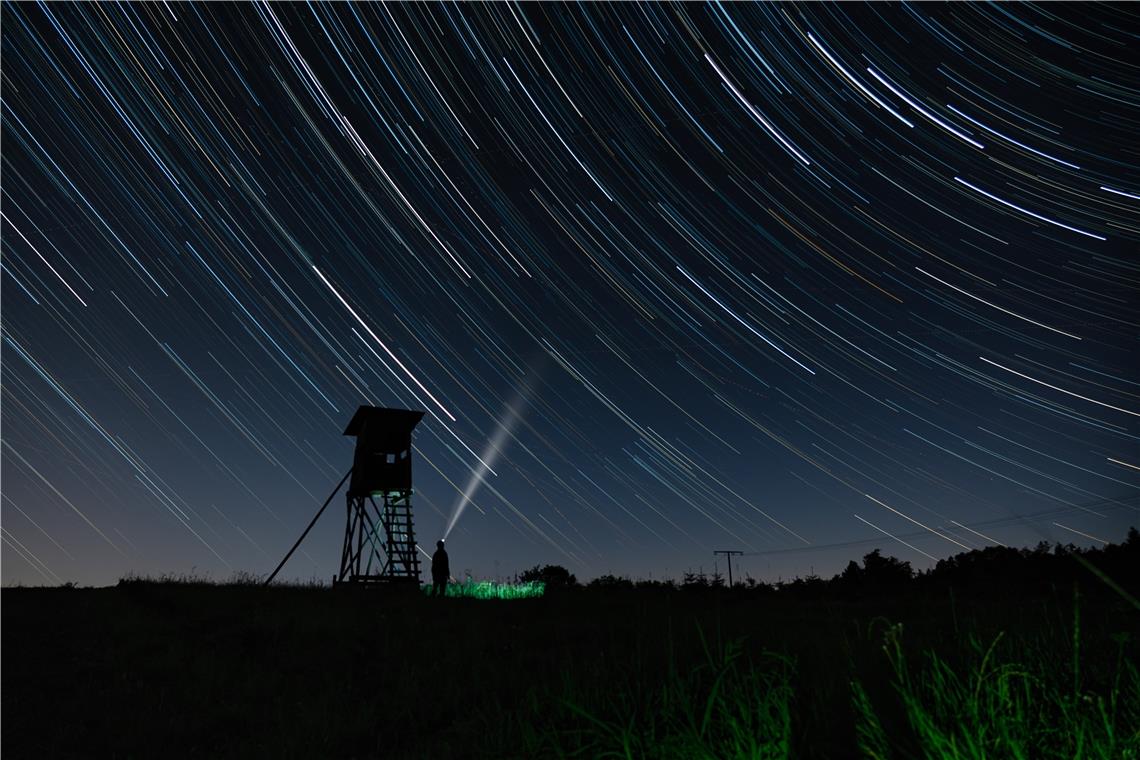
{"type": "Point", "coordinates": [511, 416]}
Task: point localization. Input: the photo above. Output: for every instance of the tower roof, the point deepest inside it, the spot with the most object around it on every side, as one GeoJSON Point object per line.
{"type": "Point", "coordinates": [394, 422]}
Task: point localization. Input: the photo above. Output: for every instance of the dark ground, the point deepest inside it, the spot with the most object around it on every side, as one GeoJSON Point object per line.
{"type": "Point", "coordinates": [182, 670]}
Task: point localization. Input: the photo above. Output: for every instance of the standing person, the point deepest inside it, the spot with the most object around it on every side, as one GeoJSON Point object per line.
{"type": "Point", "coordinates": [440, 570]}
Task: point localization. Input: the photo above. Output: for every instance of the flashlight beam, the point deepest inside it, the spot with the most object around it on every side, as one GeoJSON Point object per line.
{"type": "Point", "coordinates": [506, 425]}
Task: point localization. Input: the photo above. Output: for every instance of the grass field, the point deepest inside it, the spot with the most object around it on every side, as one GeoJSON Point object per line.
{"type": "Point", "coordinates": [147, 670]}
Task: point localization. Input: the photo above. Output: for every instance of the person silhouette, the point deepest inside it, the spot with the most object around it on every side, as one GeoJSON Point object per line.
{"type": "Point", "coordinates": [440, 570]}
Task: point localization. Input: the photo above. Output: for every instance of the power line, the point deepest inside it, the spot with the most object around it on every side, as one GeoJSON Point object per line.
{"type": "Point", "coordinates": [998, 522]}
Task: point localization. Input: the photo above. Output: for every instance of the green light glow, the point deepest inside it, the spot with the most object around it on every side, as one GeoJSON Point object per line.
{"type": "Point", "coordinates": [492, 590]}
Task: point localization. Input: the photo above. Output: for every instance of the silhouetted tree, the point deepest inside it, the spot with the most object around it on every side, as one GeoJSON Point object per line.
{"type": "Point", "coordinates": [994, 570]}
{"type": "Point", "coordinates": [697, 581]}
{"type": "Point", "coordinates": [717, 580]}
{"type": "Point", "coordinates": [610, 582]}
{"type": "Point", "coordinates": [886, 571]}
{"type": "Point", "coordinates": [810, 587]}
{"type": "Point", "coordinates": [554, 576]}
{"type": "Point", "coordinates": [849, 580]}
{"type": "Point", "coordinates": [877, 574]}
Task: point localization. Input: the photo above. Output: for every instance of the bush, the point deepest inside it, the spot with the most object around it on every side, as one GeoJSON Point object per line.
{"type": "Point", "coordinates": [553, 577]}
{"type": "Point", "coordinates": [609, 583]}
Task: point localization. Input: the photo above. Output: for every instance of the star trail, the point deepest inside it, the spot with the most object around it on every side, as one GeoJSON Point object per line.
{"type": "Point", "coordinates": [797, 280]}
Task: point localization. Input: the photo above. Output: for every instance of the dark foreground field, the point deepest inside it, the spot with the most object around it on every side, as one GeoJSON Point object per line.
{"type": "Point", "coordinates": [153, 670]}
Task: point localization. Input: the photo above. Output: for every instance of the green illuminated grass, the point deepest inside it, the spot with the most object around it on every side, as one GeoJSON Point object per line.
{"type": "Point", "coordinates": [492, 590]}
{"type": "Point", "coordinates": [971, 696]}
{"type": "Point", "coordinates": [989, 706]}
{"type": "Point", "coordinates": [735, 702]}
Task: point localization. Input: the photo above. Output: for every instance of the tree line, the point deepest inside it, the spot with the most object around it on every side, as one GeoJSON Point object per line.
{"type": "Point", "coordinates": [1114, 566]}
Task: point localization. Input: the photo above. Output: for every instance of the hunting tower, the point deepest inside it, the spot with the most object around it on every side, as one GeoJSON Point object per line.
{"type": "Point", "coordinates": [379, 543]}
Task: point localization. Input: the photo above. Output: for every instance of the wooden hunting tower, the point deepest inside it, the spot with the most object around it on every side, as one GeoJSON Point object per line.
{"type": "Point", "coordinates": [379, 543]}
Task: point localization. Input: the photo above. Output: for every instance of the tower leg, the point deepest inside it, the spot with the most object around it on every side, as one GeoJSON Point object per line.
{"type": "Point", "coordinates": [382, 532]}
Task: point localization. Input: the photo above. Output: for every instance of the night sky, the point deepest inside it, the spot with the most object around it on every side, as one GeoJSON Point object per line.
{"type": "Point", "coordinates": [798, 280]}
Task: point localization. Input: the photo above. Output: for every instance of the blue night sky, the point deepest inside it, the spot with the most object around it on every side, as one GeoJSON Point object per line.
{"type": "Point", "coordinates": [798, 280]}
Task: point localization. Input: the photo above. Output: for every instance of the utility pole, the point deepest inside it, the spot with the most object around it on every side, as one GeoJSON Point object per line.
{"type": "Point", "coordinates": [728, 556]}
